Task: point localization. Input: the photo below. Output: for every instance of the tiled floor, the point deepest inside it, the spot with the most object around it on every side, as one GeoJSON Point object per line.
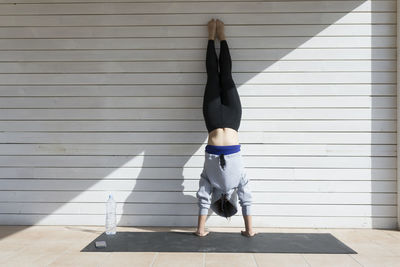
{"type": "Point", "coordinates": [61, 245]}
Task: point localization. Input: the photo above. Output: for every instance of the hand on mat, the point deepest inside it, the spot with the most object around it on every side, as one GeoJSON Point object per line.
{"type": "Point", "coordinates": [245, 233]}
{"type": "Point", "coordinates": [201, 233]}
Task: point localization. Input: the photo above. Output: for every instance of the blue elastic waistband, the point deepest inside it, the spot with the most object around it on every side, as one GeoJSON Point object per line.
{"type": "Point", "coordinates": [226, 150]}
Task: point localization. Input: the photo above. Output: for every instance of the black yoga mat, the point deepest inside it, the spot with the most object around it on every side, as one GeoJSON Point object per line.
{"type": "Point", "coordinates": [220, 242]}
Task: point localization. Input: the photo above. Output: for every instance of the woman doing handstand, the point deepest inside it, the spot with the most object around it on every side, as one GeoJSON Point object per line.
{"type": "Point", "coordinates": [223, 177]}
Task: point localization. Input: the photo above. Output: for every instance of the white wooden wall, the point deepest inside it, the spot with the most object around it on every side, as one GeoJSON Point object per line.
{"type": "Point", "coordinates": [100, 97]}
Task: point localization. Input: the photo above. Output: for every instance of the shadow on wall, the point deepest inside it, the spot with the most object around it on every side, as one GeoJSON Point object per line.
{"type": "Point", "coordinates": [383, 140]}
{"type": "Point", "coordinates": [162, 170]}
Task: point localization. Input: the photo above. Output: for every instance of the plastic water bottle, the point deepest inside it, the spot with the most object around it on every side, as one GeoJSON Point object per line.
{"type": "Point", "coordinates": [111, 218]}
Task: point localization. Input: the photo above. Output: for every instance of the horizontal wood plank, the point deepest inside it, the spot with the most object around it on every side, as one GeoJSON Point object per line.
{"type": "Point", "coordinates": [352, 198]}
{"type": "Point", "coordinates": [160, 55]}
{"type": "Point", "coordinates": [195, 114]}
{"type": "Point", "coordinates": [196, 161]}
{"type": "Point", "coordinates": [255, 137]}
{"type": "Point", "coordinates": [322, 19]}
{"type": "Point", "coordinates": [197, 7]}
{"type": "Point", "coordinates": [162, 31]}
{"type": "Point", "coordinates": [292, 174]}
{"type": "Point", "coordinates": [198, 90]}
{"type": "Point", "coordinates": [195, 126]}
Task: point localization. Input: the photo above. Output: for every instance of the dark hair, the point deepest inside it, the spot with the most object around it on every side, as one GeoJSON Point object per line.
{"type": "Point", "coordinates": [224, 207]}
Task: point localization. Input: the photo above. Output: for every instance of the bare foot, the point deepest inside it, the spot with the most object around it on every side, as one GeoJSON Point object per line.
{"type": "Point", "coordinates": [220, 30]}
{"type": "Point", "coordinates": [245, 233]}
{"type": "Point", "coordinates": [201, 234]}
{"type": "Point", "coordinates": [211, 29]}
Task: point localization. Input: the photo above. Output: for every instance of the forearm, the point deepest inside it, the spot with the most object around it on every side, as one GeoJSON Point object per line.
{"type": "Point", "coordinates": [248, 222]}
{"type": "Point", "coordinates": [201, 223]}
